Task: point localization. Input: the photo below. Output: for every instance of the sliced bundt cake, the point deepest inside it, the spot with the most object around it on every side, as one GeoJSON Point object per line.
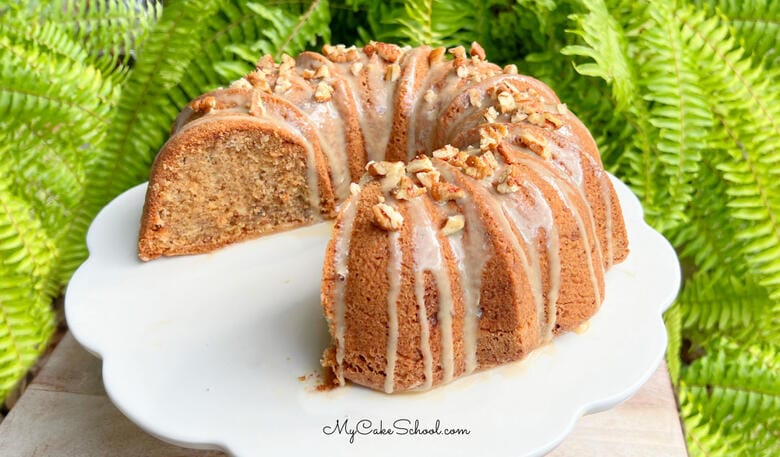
{"type": "Point", "coordinates": [482, 225]}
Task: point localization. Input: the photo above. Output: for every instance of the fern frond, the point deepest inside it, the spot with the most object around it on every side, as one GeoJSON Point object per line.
{"type": "Point", "coordinates": [756, 24]}
{"type": "Point", "coordinates": [704, 438]}
{"type": "Point", "coordinates": [678, 110]}
{"type": "Point", "coordinates": [109, 30]}
{"type": "Point", "coordinates": [709, 239]}
{"type": "Point", "coordinates": [26, 324]}
{"type": "Point", "coordinates": [54, 109]}
{"type": "Point", "coordinates": [434, 22]}
{"type": "Point", "coordinates": [747, 107]}
{"type": "Point", "coordinates": [740, 392]}
{"type": "Point", "coordinates": [673, 321]}
{"type": "Point", "coordinates": [21, 28]}
{"type": "Point", "coordinates": [439, 23]}
{"type": "Point", "coordinates": [26, 285]}
{"type": "Point", "coordinates": [606, 45]}
{"type": "Point", "coordinates": [735, 306]}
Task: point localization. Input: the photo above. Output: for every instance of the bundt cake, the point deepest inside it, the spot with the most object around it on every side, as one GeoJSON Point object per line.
{"type": "Point", "coordinates": [474, 219]}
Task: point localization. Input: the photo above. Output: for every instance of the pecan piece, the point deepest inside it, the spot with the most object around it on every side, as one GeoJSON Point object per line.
{"type": "Point", "coordinates": [407, 189]}
{"type": "Point", "coordinates": [509, 180]}
{"type": "Point", "coordinates": [387, 51]}
{"type": "Point", "coordinates": [436, 55]}
{"type": "Point", "coordinates": [420, 163]}
{"type": "Point", "coordinates": [386, 217]}
{"type": "Point", "coordinates": [454, 224]}
{"type": "Point", "coordinates": [537, 144]}
{"type": "Point", "coordinates": [477, 50]}
{"type": "Point", "coordinates": [443, 191]}
{"type": "Point", "coordinates": [324, 92]}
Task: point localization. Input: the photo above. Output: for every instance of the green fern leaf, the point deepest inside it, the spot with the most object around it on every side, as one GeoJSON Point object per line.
{"type": "Point", "coordinates": [756, 24]}
{"type": "Point", "coordinates": [109, 30]}
{"type": "Point", "coordinates": [733, 306]}
{"type": "Point", "coordinates": [672, 319]}
{"type": "Point", "coordinates": [703, 437]}
{"type": "Point", "coordinates": [678, 111]}
{"type": "Point", "coordinates": [747, 107]}
{"type": "Point", "coordinates": [730, 385]}
{"type": "Point", "coordinates": [26, 285]}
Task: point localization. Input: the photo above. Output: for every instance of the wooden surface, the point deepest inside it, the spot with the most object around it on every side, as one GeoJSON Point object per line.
{"type": "Point", "coordinates": [65, 413]}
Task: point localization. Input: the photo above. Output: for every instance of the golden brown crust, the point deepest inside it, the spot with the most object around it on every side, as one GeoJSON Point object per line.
{"type": "Point", "coordinates": [414, 70]}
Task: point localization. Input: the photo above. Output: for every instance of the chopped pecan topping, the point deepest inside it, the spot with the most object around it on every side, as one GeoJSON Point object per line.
{"type": "Point", "coordinates": [355, 68]}
{"type": "Point", "coordinates": [509, 180]}
{"type": "Point", "coordinates": [454, 224]}
{"type": "Point", "coordinates": [459, 52]}
{"type": "Point", "coordinates": [287, 64]}
{"type": "Point", "coordinates": [204, 104]}
{"type": "Point", "coordinates": [518, 116]}
{"type": "Point", "coordinates": [490, 160]}
{"type": "Point", "coordinates": [282, 85]}
{"type": "Point", "coordinates": [491, 115]}
{"type": "Point", "coordinates": [491, 135]}
{"type": "Point", "coordinates": [461, 70]}
{"type": "Point", "coordinates": [407, 189]}
{"type": "Point", "coordinates": [387, 51]}
{"type": "Point", "coordinates": [256, 107]}
{"type": "Point", "coordinates": [376, 168]}
{"type": "Point", "coordinates": [369, 49]}
{"type": "Point", "coordinates": [386, 217]}
{"type": "Point", "coordinates": [241, 84]}
{"type": "Point", "coordinates": [259, 80]}
{"type": "Point", "coordinates": [536, 118]}
{"type": "Point", "coordinates": [395, 172]}
{"type": "Point", "coordinates": [446, 153]}
{"type": "Point", "coordinates": [510, 69]}
{"type": "Point", "coordinates": [324, 92]}
{"type": "Point", "coordinates": [506, 101]}
{"type": "Point", "coordinates": [428, 178]}
{"type": "Point", "coordinates": [393, 72]}
{"type": "Point", "coordinates": [443, 191]}
{"type": "Point", "coordinates": [475, 98]}
{"type": "Point", "coordinates": [336, 53]}
{"type": "Point", "coordinates": [430, 96]}
{"type": "Point", "coordinates": [436, 55]}
{"type": "Point", "coordinates": [352, 54]}
{"type": "Point", "coordinates": [390, 172]}
{"type": "Point", "coordinates": [554, 120]}
{"type": "Point", "coordinates": [460, 159]}
{"type": "Point", "coordinates": [322, 72]}
{"type": "Point", "coordinates": [477, 51]}
{"type": "Point", "coordinates": [522, 97]}
{"type": "Point", "coordinates": [537, 144]}
{"type": "Point", "coordinates": [477, 167]}
{"type": "Point", "coordinates": [307, 73]}
{"type": "Point", "coordinates": [420, 163]}
{"type": "Point", "coordinates": [265, 63]}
